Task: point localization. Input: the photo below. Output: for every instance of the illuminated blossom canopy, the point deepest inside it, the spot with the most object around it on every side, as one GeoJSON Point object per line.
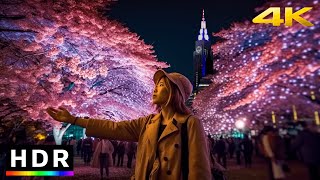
{"type": "Point", "coordinates": [261, 69]}
{"type": "Point", "coordinates": [67, 53]}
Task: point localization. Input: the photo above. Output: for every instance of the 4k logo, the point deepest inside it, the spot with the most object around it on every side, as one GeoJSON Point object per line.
{"type": "Point", "coordinates": [289, 16]}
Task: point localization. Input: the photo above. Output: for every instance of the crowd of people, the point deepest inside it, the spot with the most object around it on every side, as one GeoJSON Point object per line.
{"type": "Point", "coordinates": [276, 148]}
{"type": "Point", "coordinates": [102, 153]}
{"type": "Point", "coordinates": [305, 146]}
{"type": "Point", "coordinates": [224, 148]}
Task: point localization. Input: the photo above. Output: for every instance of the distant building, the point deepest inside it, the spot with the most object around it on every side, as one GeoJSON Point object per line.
{"type": "Point", "coordinates": [202, 61]}
{"type": "Point", "coordinates": [202, 58]}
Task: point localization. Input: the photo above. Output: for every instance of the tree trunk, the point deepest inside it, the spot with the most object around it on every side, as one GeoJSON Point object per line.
{"type": "Point", "coordinates": [58, 134]}
{"type": "Point", "coordinates": [84, 133]}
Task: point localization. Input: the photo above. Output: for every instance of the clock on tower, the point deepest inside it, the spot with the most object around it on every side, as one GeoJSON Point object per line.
{"type": "Point", "coordinates": [198, 49]}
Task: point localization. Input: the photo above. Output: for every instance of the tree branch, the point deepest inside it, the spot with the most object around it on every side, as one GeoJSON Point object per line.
{"type": "Point", "coordinates": [18, 30]}
{"type": "Point", "coordinates": [112, 90]}
{"type": "Point", "coordinates": [2, 117]}
{"type": "Point", "coordinates": [16, 17]}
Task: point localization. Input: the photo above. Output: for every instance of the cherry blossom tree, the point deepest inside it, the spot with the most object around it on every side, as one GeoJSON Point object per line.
{"type": "Point", "coordinates": [263, 69]}
{"type": "Point", "coordinates": [67, 53]}
{"type": "Point", "coordinates": [16, 127]}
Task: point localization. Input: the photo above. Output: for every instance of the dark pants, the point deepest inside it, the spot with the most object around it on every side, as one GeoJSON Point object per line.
{"type": "Point", "coordinates": [130, 157]}
{"type": "Point", "coordinates": [224, 160]}
{"type": "Point", "coordinates": [247, 159]}
{"type": "Point", "coordinates": [87, 156]}
{"type": "Point", "coordinates": [238, 153]}
{"type": "Point", "coordinates": [104, 163]}
{"type": "Point", "coordinates": [114, 158]}
{"type": "Point", "coordinates": [313, 171]}
{"type": "Point", "coordinates": [82, 153]}
{"type": "Point", "coordinates": [120, 159]}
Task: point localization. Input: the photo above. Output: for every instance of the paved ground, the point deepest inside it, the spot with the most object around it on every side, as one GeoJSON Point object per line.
{"type": "Point", "coordinates": [234, 172]}
{"type": "Point", "coordinates": [87, 172]}
{"type": "Point", "coordinates": [259, 171]}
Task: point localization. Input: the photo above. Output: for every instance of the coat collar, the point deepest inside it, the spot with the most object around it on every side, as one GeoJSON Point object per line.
{"type": "Point", "coordinates": [180, 118]}
{"type": "Point", "coordinates": [153, 127]}
{"type": "Point", "coordinates": [152, 130]}
{"type": "Point", "coordinates": [170, 128]}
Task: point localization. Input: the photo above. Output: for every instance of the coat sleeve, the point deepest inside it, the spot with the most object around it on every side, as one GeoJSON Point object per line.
{"type": "Point", "coordinates": [199, 159]}
{"type": "Point", "coordinates": [128, 130]}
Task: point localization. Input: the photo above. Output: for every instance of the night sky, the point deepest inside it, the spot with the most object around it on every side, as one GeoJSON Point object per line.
{"type": "Point", "coordinates": [172, 26]}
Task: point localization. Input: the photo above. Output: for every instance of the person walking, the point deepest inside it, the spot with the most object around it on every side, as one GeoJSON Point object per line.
{"type": "Point", "coordinates": [73, 142]}
{"type": "Point", "coordinates": [231, 147]}
{"type": "Point", "coordinates": [115, 151]}
{"type": "Point", "coordinates": [247, 150]}
{"type": "Point", "coordinates": [87, 150]}
{"type": "Point", "coordinates": [79, 143]}
{"type": "Point", "coordinates": [273, 149]}
{"type": "Point", "coordinates": [130, 150]}
{"type": "Point", "coordinates": [102, 156]}
{"type": "Point", "coordinates": [238, 150]}
{"type": "Point", "coordinates": [160, 150]}
{"type": "Point", "coordinates": [121, 151]}
{"type": "Point", "coordinates": [222, 152]}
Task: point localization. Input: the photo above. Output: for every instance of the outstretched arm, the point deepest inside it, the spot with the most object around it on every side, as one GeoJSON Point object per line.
{"type": "Point", "coordinates": [125, 130]}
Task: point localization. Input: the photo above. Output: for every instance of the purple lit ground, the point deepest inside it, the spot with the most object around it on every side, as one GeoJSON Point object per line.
{"type": "Point", "coordinates": [235, 172]}
{"type": "Point", "coordinates": [87, 172]}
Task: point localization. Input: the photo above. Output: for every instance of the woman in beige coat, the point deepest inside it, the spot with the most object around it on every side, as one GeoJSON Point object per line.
{"type": "Point", "coordinates": [102, 156]}
{"type": "Point", "coordinates": [158, 135]}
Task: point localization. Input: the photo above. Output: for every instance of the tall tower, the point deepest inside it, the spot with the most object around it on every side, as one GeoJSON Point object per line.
{"type": "Point", "coordinates": [202, 57]}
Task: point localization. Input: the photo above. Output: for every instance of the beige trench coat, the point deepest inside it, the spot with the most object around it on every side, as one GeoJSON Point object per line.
{"type": "Point", "coordinates": [96, 161]}
{"type": "Point", "coordinates": [145, 131]}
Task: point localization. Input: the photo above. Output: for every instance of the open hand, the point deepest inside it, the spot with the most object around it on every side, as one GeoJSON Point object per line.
{"type": "Point", "coordinates": [60, 114]}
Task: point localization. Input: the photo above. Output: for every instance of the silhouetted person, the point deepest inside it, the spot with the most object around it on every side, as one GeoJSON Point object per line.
{"type": "Point", "coordinates": [49, 140]}
{"type": "Point", "coordinates": [247, 150]}
{"type": "Point", "coordinates": [79, 143]}
{"type": "Point", "coordinates": [64, 142]}
{"type": "Point", "coordinates": [231, 147]}
{"type": "Point", "coordinates": [121, 151]}
{"type": "Point", "coordinates": [115, 151]}
{"type": "Point", "coordinates": [221, 151]}
{"type": "Point", "coordinates": [238, 150]}
{"type": "Point", "coordinates": [308, 143]}
{"type": "Point", "coordinates": [130, 150]}
{"type": "Point", "coordinates": [87, 150]}
{"type": "Point", "coordinates": [73, 143]}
